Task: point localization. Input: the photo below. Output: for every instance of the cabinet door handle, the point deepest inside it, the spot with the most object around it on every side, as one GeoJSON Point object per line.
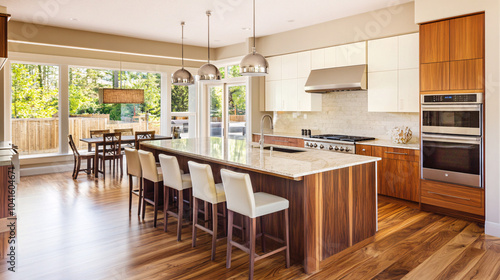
{"type": "Point", "coordinates": [447, 195]}
{"type": "Point", "coordinates": [394, 153]}
{"type": "Point", "coordinates": [363, 150]}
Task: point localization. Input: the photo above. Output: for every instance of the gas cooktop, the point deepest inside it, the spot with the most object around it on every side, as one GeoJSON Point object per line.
{"type": "Point", "coordinates": [347, 138]}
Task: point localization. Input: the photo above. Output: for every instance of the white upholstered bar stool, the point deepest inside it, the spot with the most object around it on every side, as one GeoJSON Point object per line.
{"type": "Point", "coordinates": [134, 170]}
{"type": "Point", "coordinates": [173, 178]}
{"type": "Point", "coordinates": [241, 199]}
{"type": "Point", "coordinates": [151, 173]}
{"type": "Point", "coordinates": [204, 188]}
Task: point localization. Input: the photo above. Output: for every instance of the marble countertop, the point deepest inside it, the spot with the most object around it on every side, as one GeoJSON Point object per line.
{"type": "Point", "coordinates": [5, 145]}
{"type": "Point", "coordinates": [5, 157]}
{"type": "Point", "coordinates": [241, 153]}
{"type": "Point", "coordinates": [388, 143]}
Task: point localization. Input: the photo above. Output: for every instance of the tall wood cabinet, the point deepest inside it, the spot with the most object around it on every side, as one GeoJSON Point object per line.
{"type": "Point", "coordinates": [452, 54]}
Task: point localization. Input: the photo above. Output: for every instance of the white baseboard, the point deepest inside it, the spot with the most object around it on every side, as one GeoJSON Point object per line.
{"type": "Point", "coordinates": [47, 169]}
{"type": "Point", "coordinates": [492, 228]}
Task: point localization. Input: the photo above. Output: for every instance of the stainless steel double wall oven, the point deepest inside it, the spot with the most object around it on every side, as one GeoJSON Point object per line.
{"type": "Point", "coordinates": [452, 138]}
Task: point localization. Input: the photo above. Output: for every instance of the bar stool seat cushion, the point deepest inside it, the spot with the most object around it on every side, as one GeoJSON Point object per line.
{"type": "Point", "coordinates": [267, 203]}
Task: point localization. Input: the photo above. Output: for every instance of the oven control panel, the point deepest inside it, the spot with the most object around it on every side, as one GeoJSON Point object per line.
{"type": "Point", "coordinates": [452, 98]}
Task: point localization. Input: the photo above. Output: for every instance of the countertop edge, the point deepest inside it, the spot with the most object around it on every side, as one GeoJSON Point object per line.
{"type": "Point", "coordinates": [299, 176]}
{"type": "Point", "coordinates": [381, 143]}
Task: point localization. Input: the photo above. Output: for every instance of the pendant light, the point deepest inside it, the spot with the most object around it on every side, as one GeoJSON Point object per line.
{"type": "Point", "coordinates": [209, 71]}
{"type": "Point", "coordinates": [182, 77]}
{"type": "Point", "coordinates": [120, 95]}
{"type": "Point", "coordinates": [254, 64]}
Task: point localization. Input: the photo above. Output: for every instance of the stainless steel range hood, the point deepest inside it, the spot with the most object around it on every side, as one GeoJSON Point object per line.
{"type": "Point", "coordinates": [337, 79]}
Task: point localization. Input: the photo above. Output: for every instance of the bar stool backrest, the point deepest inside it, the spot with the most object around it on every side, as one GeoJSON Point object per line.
{"type": "Point", "coordinates": [171, 172]}
{"type": "Point", "coordinates": [203, 183]}
{"type": "Point", "coordinates": [148, 166]}
{"type": "Point", "coordinates": [133, 162]}
{"type": "Point", "coordinates": [239, 192]}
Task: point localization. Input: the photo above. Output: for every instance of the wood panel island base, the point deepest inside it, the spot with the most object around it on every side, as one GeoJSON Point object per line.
{"type": "Point", "coordinates": [333, 202]}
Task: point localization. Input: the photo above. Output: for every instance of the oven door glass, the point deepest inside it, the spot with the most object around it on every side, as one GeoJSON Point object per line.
{"type": "Point", "coordinates": [448, 156]}
{"type": "Point", "coordinates": [464, 119]}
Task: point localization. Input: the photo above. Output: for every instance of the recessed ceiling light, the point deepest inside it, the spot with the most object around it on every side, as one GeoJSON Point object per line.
{"type": "Point", "coordinates": [246, 28]}
{"type": "Point", "coordinates": [291, 20]}
{"type": "Point", "coordinates": [73, 19]}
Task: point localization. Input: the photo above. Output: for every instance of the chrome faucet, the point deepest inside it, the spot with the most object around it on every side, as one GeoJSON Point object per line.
{"type": "Point", "coordinates": [261, 141]}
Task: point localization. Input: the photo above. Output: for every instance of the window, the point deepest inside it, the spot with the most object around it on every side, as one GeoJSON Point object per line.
{"type": "Point", "coordinates": [183, 110]}
{"type": "Point", "coordinates": [233, 71]}
{"type": "Point", "coordinates": [87, 113]}
{"type": "Point", "coordinates": [35, 107]}
{"type": "Point", "coordinates": [222, 71]}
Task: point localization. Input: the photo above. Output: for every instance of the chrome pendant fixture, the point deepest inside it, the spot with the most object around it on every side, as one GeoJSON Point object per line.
{"type": "Point", "coordinates": [254, 64]}
{"type": "Point", "coordinates": [209, 71]}
{"type": "Point", "coordinates": [182, 77]}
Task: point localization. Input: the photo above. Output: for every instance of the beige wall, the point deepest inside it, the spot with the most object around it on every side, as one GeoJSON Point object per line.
{"type": "Point", "coordinates": [381, 23]}
{"type": "Point", "coordinates": [429, 10]}
{"type": "Point", "coordinates": [21, 31]}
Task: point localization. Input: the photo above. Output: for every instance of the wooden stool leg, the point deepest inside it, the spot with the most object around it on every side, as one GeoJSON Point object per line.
{"type": "Point", "coordinates": [205, 209]}
{"type": "Point", "coordinates": [229, 237]}
{"type": "Point", "coordinates": [143, 199]}
{"type": "Point", "coordinates": [252, 245]}
{"type": "Point", "coordinates": [130, 183]}
{"type": "Point", "coordinates": [180, 201]}
{"type": "Point", "coordinates": [166, 197]}
{"type": "Point", "coordinates": [195, 219]}
{"type": "Point", "coordinates": [214, 229]}
{"type": "Point", "coordinates": [224, 214]}
{"type": "Point", "coordinates": [287, 236]}
{"type": "Point", "coordinates": [262, 238]}
{"type": "Point", "coordinates": [156, 198]}
{"type": "Point", "coordinates": [140, 196]}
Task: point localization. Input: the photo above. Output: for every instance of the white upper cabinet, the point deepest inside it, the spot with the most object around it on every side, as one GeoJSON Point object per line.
{"type": "Point", "coordinates": [303, 64]}
{"type": "Point", "coordinates": [289, 66]}
{"type": "Point", "coordinates": [318, 59]}
{"type": "Point", "coordinates": [274, 68]}
{"type": "Point", "coordinates": [289, 95]}
{"type": "Point", "coordinates": [274, 101]}
{"type": "Point", "coordinates": [357, 53]}
{"type": "Point", "coordinates": [341, 56]}
{"type": "Point", "coordinates": [393, 74]}
{"type": "Point", "coordinates": [408, 89]}
{"type": "Point", "coordinates": [408, 51]}
{"type": "Point", "coordinates": [383, 91]}
{"type": "Point", "coordinates": [330, 57]}
{"type": "Point", "coordinates": [383, 54]}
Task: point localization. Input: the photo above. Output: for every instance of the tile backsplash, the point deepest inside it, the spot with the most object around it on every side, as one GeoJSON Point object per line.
{"type": "Point", "coordinates": [346, 113]}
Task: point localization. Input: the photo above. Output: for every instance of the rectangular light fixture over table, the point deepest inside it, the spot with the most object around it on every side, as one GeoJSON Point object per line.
{"type": "Point", "coordinates": [117, 95]}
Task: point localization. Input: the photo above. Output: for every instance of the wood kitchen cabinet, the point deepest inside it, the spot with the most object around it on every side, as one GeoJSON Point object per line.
{"type": "Point", "coordinates": [280, 140]}
{"type": "Point", "coordinates": [397, 172]}
{"type": "Point", "coordinates": [452, 54]}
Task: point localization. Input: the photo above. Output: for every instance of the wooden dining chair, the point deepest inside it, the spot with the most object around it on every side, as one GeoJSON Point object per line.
{"type": "Point", "coordinates": [78, 157]}
{"type": "Point", "coordinates": [143, 136]}
{"type": "Point", "coordinates": [111, 151]}
{"type": "Point", "coordinates": [96, 133]}
{"type": "Point", "coordinates": [126, 132]}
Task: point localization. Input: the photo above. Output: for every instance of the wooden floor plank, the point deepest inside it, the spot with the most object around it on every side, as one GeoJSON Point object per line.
{"type": "Point", "coordinates": [82, 230]}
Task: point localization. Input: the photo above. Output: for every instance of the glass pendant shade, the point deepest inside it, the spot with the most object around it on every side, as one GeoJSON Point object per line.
{"type": "Point", "coordinates": [182, 77]}
{"type": "Point", "coordinates": [254, 64]}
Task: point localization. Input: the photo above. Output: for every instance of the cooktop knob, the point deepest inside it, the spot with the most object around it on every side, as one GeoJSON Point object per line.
{"type": "Point", "coordinates": [347, 149]}
{"type": "Point", "coordinates": [315, 145]}
{"type": "Point", "coordinates": [341, 149]}
{"type": "Point", "coordinates": [321, 146]}
{"type": "Point", "coordinates": [331, 147]}
{"type": "Point", "coordinates": [336, 148]}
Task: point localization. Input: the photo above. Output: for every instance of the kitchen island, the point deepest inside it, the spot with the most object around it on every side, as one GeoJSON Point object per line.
{"type": "Point", "coordinates": [333, 202]}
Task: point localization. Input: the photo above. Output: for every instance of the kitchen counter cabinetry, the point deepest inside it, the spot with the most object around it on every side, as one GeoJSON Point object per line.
{"type": "Point", "coordinates": [398, 172]}
{"type": "Point", "coordinates": [452, 54]}
{"type": "Point", "coordinates": [279, 140]}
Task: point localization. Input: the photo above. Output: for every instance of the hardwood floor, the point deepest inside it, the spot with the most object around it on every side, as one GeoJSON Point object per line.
{"type": "Point", "coordinates": [82, 230]}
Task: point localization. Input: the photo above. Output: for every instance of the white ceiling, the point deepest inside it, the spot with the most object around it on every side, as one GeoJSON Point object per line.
{"type": "Point", "coordinates": [160, 19]}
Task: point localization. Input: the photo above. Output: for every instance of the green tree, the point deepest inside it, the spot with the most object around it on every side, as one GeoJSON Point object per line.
{"type": "Point", "coordinates": [180, 98]}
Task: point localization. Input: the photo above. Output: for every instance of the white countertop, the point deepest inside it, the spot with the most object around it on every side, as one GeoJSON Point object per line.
{"type": "Point", "coordinates": [283, 134]}
{"type": "Point", "coordinates": [240, 153]}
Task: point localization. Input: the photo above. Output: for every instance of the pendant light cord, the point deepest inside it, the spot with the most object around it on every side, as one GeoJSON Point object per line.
{"type": "Point", "coordinates": [254, 26]}
{"type": "Point", "coordinates": [182, 40]}
{"type": "Point", "coordinates": [208, 16]}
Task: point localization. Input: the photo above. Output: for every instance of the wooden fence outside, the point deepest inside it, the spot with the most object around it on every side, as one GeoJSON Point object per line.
{"type": "Point", "coordinates": [41, 136]}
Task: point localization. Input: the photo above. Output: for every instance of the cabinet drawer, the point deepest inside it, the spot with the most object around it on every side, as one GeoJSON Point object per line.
{"type": "Point", "coordinates": [396, 153]}
{"type": "Point", "coordinates": [277, 140]}
{"type": "Point", "coordinates": [365, 150]}
{"type": "Point", "coordinates": [450, 196]}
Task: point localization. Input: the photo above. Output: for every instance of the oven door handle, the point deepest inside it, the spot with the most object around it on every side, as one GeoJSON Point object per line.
{"type": "Point", "coordinates": [451, 139]}
{"type": "Point", "coordinates": [452, 108]}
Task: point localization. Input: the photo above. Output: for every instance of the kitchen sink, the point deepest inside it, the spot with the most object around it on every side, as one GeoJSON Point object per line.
{"type": "Point", "coordinates": [284, 150]}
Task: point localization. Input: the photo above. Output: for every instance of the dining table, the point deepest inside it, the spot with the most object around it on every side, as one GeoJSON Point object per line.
{"type": "Point", "coordinates": [126, 139]}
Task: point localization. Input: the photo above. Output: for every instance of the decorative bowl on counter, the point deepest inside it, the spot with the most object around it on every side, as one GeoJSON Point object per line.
{"type": "Point", "coordinates": [401, 135]}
